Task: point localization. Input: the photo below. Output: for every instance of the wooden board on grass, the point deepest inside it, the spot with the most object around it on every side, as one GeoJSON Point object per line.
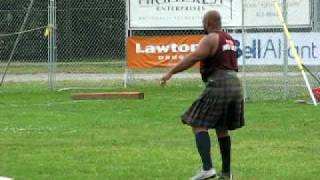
{"type": "Point", "coordinates": [108, 95]}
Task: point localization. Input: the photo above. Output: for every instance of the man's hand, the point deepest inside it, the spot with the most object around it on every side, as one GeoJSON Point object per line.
{"type": "Point", "coordinates": [165, 78]}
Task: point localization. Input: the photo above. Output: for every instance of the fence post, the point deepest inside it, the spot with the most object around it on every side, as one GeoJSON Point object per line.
{"type": "Point", "coordinates": [285, 51]}
{"type": "Point", "coordinates": [127, 34]}
{"type": "Point", "coordinates": [244, 78]}
{"type": "Point", "coordinates": [316, 22]}
{"type": "Point", "coordinates": [316, 15]}
{"type": "Point", "coordinates": [52, 53]}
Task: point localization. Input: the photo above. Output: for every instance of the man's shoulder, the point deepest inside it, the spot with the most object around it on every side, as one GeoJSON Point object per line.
{"type": "Point", "coordinates": [212, 36]}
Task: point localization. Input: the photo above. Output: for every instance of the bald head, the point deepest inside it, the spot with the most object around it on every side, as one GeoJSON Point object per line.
{"type": "Point", "coordinates": [211, 21]}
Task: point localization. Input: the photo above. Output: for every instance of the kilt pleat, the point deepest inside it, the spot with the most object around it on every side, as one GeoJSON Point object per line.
{"type": "Point", "coordinates": [220, 106]}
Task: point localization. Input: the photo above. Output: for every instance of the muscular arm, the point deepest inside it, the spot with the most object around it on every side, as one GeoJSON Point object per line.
{"type": "Point", "coordinates": [203, 51]}
{"type": "Point", "coordinates": [207, 46]}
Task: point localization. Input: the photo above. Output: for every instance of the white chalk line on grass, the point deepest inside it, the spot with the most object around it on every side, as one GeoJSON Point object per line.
{"type": "Point", "coordinates": [36, 130]}
{"type": "Point", "coordinates": [50, 103]}
{"type": "Point", "coordinates": [27, 129]}
{"type": "Point", "coordinates": [5, 178]}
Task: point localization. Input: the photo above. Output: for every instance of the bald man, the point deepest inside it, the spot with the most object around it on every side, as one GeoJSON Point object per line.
{"type": "Point", "coordinates": [221, 104]}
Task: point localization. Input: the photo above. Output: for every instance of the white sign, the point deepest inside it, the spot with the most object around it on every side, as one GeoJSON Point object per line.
{"type": "Point", "coordinates": [262, 13]}
{"type": "Point", "coordinates": [188, 14]}
{"type": "Point", "coordinates": [180, 13]}
{"type": "Point", "coordinates": [267, 48]}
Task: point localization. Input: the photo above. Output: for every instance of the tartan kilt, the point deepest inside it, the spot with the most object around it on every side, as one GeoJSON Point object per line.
{"type": "Point", "coordinates": [220, 106]}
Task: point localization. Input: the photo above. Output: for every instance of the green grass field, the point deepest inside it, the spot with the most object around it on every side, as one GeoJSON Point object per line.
{"type": "Point", "coordinates": [46, 135]}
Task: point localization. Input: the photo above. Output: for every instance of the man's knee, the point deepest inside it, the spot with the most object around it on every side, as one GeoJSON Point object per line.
{"type": "Point", "coordinates": [222, 133]}
{"type": "Point", "coordinates": [199, 129]}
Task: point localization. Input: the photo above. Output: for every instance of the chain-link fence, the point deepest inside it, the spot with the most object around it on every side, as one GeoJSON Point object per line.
{"type": "Point", "coordinates": [316, 16]}
{"type": "Point", "coordinates": [91, 42]}
{"type": "Point", "coordinates": [30, 54]}
{"type": "Point", "coordinates": [267, 66]}
{"type": "Point", "coordinates": [279, 76]}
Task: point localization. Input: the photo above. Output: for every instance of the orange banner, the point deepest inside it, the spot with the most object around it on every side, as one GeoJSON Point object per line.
{"type": "Point", "coordinates": [160, 51]}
